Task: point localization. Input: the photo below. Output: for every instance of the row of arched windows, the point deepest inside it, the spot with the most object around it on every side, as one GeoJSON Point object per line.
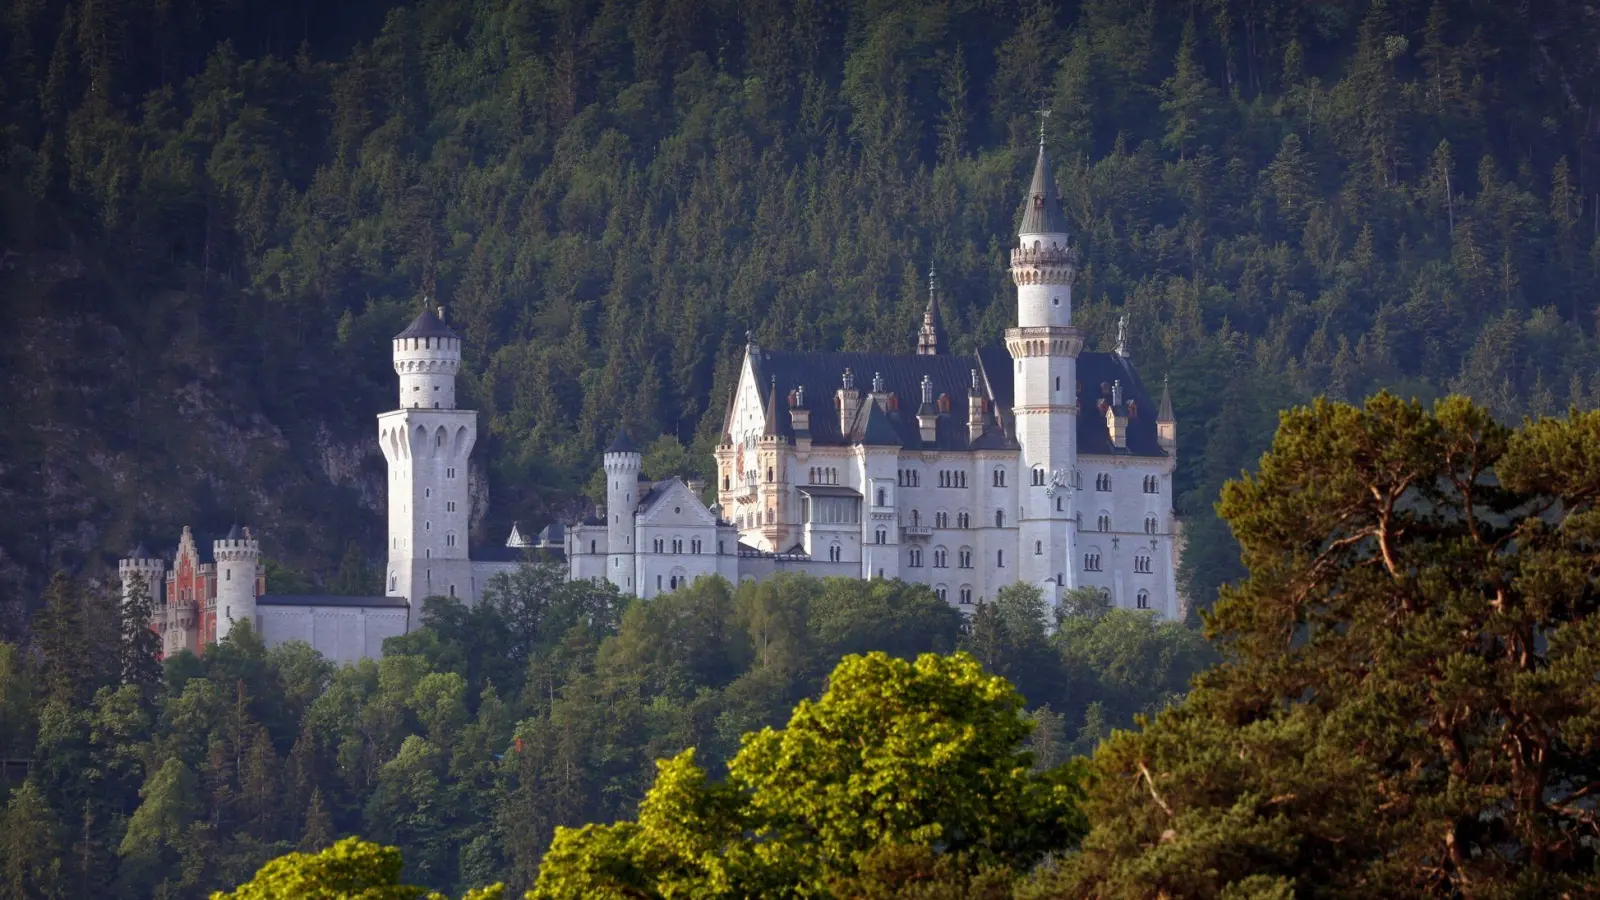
{"type": "Point", "coordinates": [952, 478]}
{"type": "Point", "coordinates": [822, 475]}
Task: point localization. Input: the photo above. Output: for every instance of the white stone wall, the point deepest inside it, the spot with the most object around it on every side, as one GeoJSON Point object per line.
{"type": "Point", "coordinates": [676, 518]}
{"type": "Point", "coordinates": [1124, 538]}
{"type": "Point", "coordinates": [342, 634]}
{"type": "Point", "coordinates": [237, 563]}
{"type": "Point", "coordinates": [428, 451]}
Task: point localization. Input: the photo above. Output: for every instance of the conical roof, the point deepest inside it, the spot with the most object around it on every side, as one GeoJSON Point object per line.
{"type": "Point", "coordinates": [622, 443]}
{"type": "Point", "coordinates": [233, 533]}
{"type": "Point", "coordinates": [140, 551]}
{"type": "Point", "coordinates": [772, 411]}
{"type": "Point", "coordinates": [427, 324]}
{"type": "Point", "coordinates": [1041, 213]}
{"type": "Point", "coordinates": [1164, 413]}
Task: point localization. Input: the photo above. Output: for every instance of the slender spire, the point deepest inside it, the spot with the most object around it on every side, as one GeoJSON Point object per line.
{"type": "Point", "coordinates": [1042, 207]}
{"type": "Point", "coordinates": [932, 333]}
{"type": "Point", "coordinates": [1164, 413]}
{"type": "Point", "coordinates": [772, 410]}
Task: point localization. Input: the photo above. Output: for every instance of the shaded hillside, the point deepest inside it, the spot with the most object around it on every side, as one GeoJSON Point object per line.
{"type": "Point", "coordinates": [215, 220]}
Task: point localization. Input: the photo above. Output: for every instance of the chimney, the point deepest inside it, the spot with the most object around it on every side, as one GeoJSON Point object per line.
{"type": "Point", "coordinates": [974, 410]}
{"type": "Point", "coordinates": [1117, 418]}
{"type": "Point", "coordinates": [927, 413]}
{"type": "Point", "coordinates": [696, 486]}
{"type": "Point", "coordinates": [800, 418]}
{"type": "Point", "coordinates": [847, 400]}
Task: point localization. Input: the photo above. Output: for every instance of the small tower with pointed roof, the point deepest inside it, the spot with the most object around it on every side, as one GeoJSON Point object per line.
{"type": "Point", "coordinates": [772, 490]}
{"type": "Point", "coordinates": [1166, 423]}
{"type": "Point", "coordinates": [428, 442]}
{"type": "Point", "coordinates": [622, 463]}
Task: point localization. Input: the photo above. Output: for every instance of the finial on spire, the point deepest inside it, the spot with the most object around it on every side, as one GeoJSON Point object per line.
{"type": "Point", "coordinates": [1043, 114]}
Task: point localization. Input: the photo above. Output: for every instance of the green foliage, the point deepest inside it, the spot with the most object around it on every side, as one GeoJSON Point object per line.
{"type": "Point", "coordinates": [351, 869]}
{"type": "Point", "coordinates": [1408, 701]}
{"type": "Point", "coordinates": [895, 757]}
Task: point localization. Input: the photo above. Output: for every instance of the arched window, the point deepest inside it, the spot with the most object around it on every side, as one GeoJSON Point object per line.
{"type": "Point", "coordinates": [1091, 561]}
{"type": "Point", "coordinates": [393, 581]}
{"type": "Point", "coordinates": [727, 483]}
{"type": "Point", "coordinates": [999, 476]}
{"type": "Point", "coordinates": [1038, 548]}
{"type": "Point", "coordinates": [941, 592]}
{"type": "Point", "coordinates": [964, 558]}
{"type": "Point", "coordinates": [916, 517]}
{"type": "Point", "coordinates": [941, 519]}
{"type": "Point", "coordinates": [1102, 482]}
{"type": "Point", "coordinates": [1103, 521]}
{"type": "Point", "coordinates": [1059, 506]}
{"type": "Point", "coordinates": [769, 473]}
{"type": "Point", "coordinates": [999, 518]}
{"type": "Point", "coordinates": [591, 546]}
{"type": "Point", "coordinates": [835, 553]}
{"type": "Point", "coordinates": [882, 536]}
{"type": "Point", "coordinates": [883, 497]}
{"type": "Point", "coordinates": [940, 560]}
{"type": "Point", "coordinates": [963, 520]}
{"type": "Point", "coordinates": [966, 595]}
{"type": "Point", "coordinates": [1141, 564]}
{"type": "Point", "coordinates": [914, 557]}
{"type": "Point", "coordinates": [1150, 525]}
{"type": "Point", "coordinates": [1143, 600]}
{"type": "Point", "coordinates": [999, 559]}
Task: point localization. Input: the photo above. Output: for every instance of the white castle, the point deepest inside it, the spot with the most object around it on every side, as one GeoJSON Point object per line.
{"type": "Point", "coordinates": [1035, 463]}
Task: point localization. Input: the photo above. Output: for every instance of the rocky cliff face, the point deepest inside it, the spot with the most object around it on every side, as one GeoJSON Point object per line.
{"type": "Point", "coordinates": [114, 432]}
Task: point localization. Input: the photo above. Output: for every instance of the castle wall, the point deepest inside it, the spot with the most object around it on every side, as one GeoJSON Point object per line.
{"type": "Point", "coordinates": [342, 634]}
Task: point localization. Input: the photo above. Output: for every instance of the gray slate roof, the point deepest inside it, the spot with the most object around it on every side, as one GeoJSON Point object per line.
{"type": "Point", "coordinates": [821, 375]}
{"type": "Point", "coordinates": [426, 324]}
{"type": "Point", "coordinates": [622, 443]}
{"type": "Point", "coordinates": [1041, 208]}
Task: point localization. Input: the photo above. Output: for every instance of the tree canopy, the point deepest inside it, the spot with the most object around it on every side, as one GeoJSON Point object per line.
{"type": "Point", "coordinates": [1408, 702]}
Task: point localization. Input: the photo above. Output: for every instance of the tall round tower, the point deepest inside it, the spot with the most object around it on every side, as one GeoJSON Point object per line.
{"type": "Point", "coordinates": [622, 462]}
{"type": "Point", "coordinates": [142, 566]}
{"type": "Point", "coordinates": [1045, 345]}
{"type": "Point", "coordinates": [238, 558]}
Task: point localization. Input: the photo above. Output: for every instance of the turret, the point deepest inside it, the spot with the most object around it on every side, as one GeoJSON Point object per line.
{"type": "Point", "coordinates": [141, 565]}
{"type": "Point", "coordinates": [1117, 417]}
{"type": "Point", "coordinates": [931, 335]}
{"type": "Point", "coordinates": [1166, 423]}
{"type": "Point", "coordinates": [427, 357]}
{"type": "Point", "coordinates": [622, 463]}
{"type": "Point", "coordinates": [238, 559]}
{"type": "Point", "coordinates": [1043, 266]}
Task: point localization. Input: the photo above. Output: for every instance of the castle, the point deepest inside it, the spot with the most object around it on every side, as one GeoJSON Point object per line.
{"type": "Point", "coordinates": [1035, 462]}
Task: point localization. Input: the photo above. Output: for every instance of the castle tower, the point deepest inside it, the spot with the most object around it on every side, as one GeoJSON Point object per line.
{"type": "Point", "coordinates": [427, 443]}
{"type": "Point", "coordinates": [1045, 345]}
{"type": "Point", "coordinates": [238, 561]}
{"type": "Point", "coordinates": [773, 477]}
{"type": "Point", "coordinates": [622, 462]}
{"type": "Point", "coordinates": [142, 564]}
{"type": "Point", "coordinates": [1166, 423]}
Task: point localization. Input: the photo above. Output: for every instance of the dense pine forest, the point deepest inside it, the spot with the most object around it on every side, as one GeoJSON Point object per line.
{"type": "Point", "coordinates": [216, 214]}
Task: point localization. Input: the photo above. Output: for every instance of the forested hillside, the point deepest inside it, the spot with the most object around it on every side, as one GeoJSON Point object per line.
{"type": "Point", "coordinates": [215, 215]}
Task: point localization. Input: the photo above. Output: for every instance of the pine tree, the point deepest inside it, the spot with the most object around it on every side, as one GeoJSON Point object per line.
{"type": "Point", "coordinates": [30, 847]}
{"type": "Point", "coordinates": [140, 646]}
{"type": "Point", "coordinates": [317, 831]}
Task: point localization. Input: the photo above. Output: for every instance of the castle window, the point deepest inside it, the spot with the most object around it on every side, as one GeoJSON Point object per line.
{"type": "Point", "coordinates": [881, 536]}
{"type": "Point", "coordinates": [914, 557]}
{"type": "Point", "coordinates": [727, 483]}
{"type": "Point", "coordinates": [963, 520]}
{"type": "Point", "coordinates": [999, 518]}
{"type": "Point", "coordinates": [1103, 522]}
{"type": "Point", "coordinates": [658, 582]}
{"type": "Point", "coordinates": [452, 590]}
{"type": "Point", "coordinates": [659, 545]}
{"type": "Point", "coordinates": [394, 581]}
{"type": "Point", "coordinates": [999, 559]}
{"type": "Point", "coordinates": [1091, 561]}
{"type": "Point", "coordinates": [941, 519]}
{"type": "Point", "coordinates": [883, 497]}
{"type": "Point", "coordinates": [1058, 384]}
{"type": "Point", "coordinates": [427, 526]}
{"type": "Point", "coordinates": [591, 546]}
{"type": "Point", "coordinates": [916, 517]}
{"type": "Point", "coordinates": [677, 545]}
{"type": "Point", "coordinates": [769, 473]}
{"type": "Point", "coordinates": [999, 477]}
{"type": "Point", "coordinates": [450, 473]}
{"type": "Point", "coordinates": [964, 558]}
{"type": "Point", "coordinates": [1059, 506]}
{"type": "Point", "coordinates": [227, 575]}
{"type": "Point", "coordinates": [835, 553]}
{"type": "Point", "coordinates": [1150, 525]}
{"type": "Point", "coordinates": [1102, 482]}
{"type": "Point", "coordinates": [966, 595]}
{"type": "Point", "coordinates": [427, 492]}
{"type": "Point", "coordinates": [1141, 564]}
{"type": "Point", "coordinates": [1143, 600]}
{"type": "Point", "coordinates": [1152, 484]}
{"type": "Point", "coordinates": [1055, 301]}
{"type": "Point", "coordinates": [940, 593]}
{"type": "Point", "coordinates": [940, 560]}
{"type": "Point", "coordinates": [1038, 548]}
{"type": "Point", "coordinates": [694, 546]}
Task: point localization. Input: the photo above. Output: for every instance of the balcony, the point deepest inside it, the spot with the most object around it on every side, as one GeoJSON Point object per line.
{"type": "Point", "coordinates": [916, 531]}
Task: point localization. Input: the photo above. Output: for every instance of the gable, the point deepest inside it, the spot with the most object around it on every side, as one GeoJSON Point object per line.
{"type": "Point", "coordinates": [671, 504]}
